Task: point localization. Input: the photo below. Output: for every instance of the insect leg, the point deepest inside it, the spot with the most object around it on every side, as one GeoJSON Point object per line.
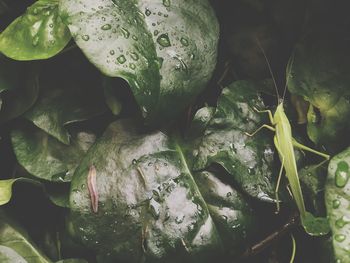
{"type": "Point", "coordinates": [303, 147]}
{"type": "Point", "coordinates": [294, 246]}
{"type": "Point", "coordinates": [263, 126]}
{"type": "Point", "coordinates": [279, 176]}
{"type": "Point", "coordinates": [263, 111]}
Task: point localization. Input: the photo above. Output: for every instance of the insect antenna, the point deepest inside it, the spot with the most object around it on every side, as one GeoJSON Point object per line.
{"type": "Point", "coordinates": [270, 69]}
{"type": "Point", "coordinates": [289, 66]}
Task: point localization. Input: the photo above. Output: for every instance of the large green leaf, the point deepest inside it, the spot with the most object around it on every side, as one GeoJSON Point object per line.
{"type": "Point", "coordinates": [133, 198]}
{"type": "Point", "coordinates": [319, 72]}
{"type": "Point", "coordinates": [338, 202]}
{"type": "Point", "coordinates": [18, 88]}
{"type": "Point", "coordinates": [45, 157]}
{"type": "Point", "coordinates": [38, 34]}
{"type": "Point", "coordinates": [166, 50]}
{"type": "Point", "coordinates": [15, 243]}
{"type": "Point", "coordinates": [222, 140]}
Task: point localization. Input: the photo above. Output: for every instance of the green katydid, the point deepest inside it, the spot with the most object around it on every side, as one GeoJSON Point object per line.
{"type": "Point", "coordinates": [285, 145]}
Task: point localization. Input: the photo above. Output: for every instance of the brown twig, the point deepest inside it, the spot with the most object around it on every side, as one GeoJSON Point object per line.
{"type": "Point", "coordinates": [273, 237]}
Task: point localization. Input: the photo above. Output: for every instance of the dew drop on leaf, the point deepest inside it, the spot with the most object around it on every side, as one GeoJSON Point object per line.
{"type": "Point", "coordinates": [184, 41]}
{"type": "Point", "coordinates": [125, 33]}
{"type": "Point", "coordinates": [85, 37]}
{"type": "Point", "coordinates": [163, 40]}
{"type": "Point", "coordinates": [339, 237]}
{"type": "Point", "coordinates": [342, 174]}
{"type": "Point", "coordinates": [106, 27]}
{"type": "Point", "coordinates": [179, 219]}
{"type": "Point", "coordinates": [336, 204]}
{"type": "Point", "coordinates": [121, 59]}
{"type": "Point", "coordinates": [132, 66]}
{"type": "Point", "coordinates": [166, 3]}
{"type": "Point", "coordinates": [148, 12]}
{"type": "Point", "coordinates": [134, 56]}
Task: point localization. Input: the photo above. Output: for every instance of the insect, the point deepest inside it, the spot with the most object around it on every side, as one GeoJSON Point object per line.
{"type": "Point", "coordinates": [285, 145]}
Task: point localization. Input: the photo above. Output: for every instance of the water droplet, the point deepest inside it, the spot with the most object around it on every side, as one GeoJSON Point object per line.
{"type": "Point", "coordinates": [134, 37]}
{"type": "Point", "coordinates": [340, 237]}
{"type": "Point", "coordinates": [184, 41]}
{"type": "Point", "coordinates": [156, 32]}
{"type": "Point", "coordinates": [336, 204]}
{"type": "Point", "coordinates": [148, 12]}
{"type": "Point", "coordinates": [166, 3]}
{"type": "Point", "coordinates": [106, 27]}
{"type": "Point", "coordinates": [134, 161]}
{"type": "Point", "coordinates": [85, 37]}
{"type": "Point", "coordinates": [179, 219]}
{"type": "Point", "coordinates": [134, 56]}
{"type": "Point", "coordinates": [51, 25]}
{"type": "Point", "coordinates": [121, 59]}
{"type": "Point", "coordinates": [341, 222]}
{"type": "Point", "coordinates": [111, 52]}
{"type": "Point", "coordinates": [228, 194]}
{"type": "Point", "coordinates": [125, 32]}
{"type": "Point", "coordinates": [154, 208]}
{"type": "Point", "coordinates": [35, 40]}
{"type": "Point", "coordinates": [342, 174]}
{"type": "Point", "coordinates": [163, 40]}
{"type": "Point", "coordinates": [224, 217]}
{"type": "Point", "coordinates": [132, 66]}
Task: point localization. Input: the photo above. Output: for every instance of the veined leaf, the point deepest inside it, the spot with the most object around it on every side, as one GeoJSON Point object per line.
{"type": "Point", "coordinates": [222, 140]}
{"type": "Point", "coordinates": [165, 50]}
{"type": "Point", "coordinates": [134, 198]}
{"type": "Point", "coordinates": [337, 202]}
{"type": "Point", "coordinates": [46, 158]}
{"type": "Point", "coordinates": [38, 34]}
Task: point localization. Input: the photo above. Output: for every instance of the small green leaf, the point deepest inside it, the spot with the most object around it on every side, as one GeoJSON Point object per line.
{"type": "Point", "coordinates": [17, 243]}
{"type": "Point", "coordinates": [153, 46]}
{"type": "Point", "coordinates": [38, 34]}
{"type": "Point", "coordinates": [45, 157]}
{"type": "Point", "coordinates": [6, 190]}
{"type": "Point", "coordinates": [337, 202]}
{"type": "Point", "coordinates": [315, 226]}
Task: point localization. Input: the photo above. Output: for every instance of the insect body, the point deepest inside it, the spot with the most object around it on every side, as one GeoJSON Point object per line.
{"type": "Point", "coordinates": [285, 144]}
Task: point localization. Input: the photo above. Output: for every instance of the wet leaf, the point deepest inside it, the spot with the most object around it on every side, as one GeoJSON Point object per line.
{"type": "Point", "coordinates": [337, 203]}
{"type": "Point", "coordinates": [223, 141]}
{"type": "Point", "coordinates": [45, 157]}
{"type": "Point", "coordinates": [153, 46]}
{"type": "Point", "coordinates": [150, 206]}
{"type": "Point", "coordinates": [38, 34]}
